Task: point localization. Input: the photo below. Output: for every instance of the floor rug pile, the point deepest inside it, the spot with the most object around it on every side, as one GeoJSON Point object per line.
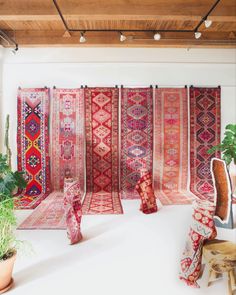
{"type": "Point", "coordinates": [33, 145]}
{"type": "Point", "coordinates": [171, 146]}
{"type": "Point", "coordinates": [102, 166]}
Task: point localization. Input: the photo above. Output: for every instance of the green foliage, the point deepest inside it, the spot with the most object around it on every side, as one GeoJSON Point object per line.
{"type": "Point", "coordinates": [9, 181]}
{"type": "Point", "coordinates": [228, 145]}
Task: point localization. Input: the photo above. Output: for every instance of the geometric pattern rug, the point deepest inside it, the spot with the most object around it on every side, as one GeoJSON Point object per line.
{"type": "Point", "coordinates": [33, 145]}
{"type": "Point", "coordinates": [50, 214]}
{"type": "Point", "coordinates": [136, 138]}
{"type": "Point", "coordinates": [67, 145]}
{"type": "Point", "coordinates": [101, 129]}
{"type": "Point", "coordinates": [171, 146]}
{"type": "Point", "coordinates": [204, 133]}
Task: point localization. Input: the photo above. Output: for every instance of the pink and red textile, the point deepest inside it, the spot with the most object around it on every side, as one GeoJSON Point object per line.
{"type": "Point", "coordinates": [171, 146]}
{"type": "Point", "coordinates": [73, 210]}
{"type": "Point", "coordinates": [33, 145]}
{"type": "Point", "coordinates": [145, 190]}
{"type": "Point", "coordinates": [202, 229]}
{"type": "Point", "coordinates": [102, 165]}
{"type": "Point", "coordinates": [67, 147]}
{"type": "Point", "coordinates": [204, 133]}
{"type": "Point", "coordinates": [136, 138]}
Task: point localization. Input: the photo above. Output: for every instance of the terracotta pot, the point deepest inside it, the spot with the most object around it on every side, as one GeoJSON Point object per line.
{"type": "Point", "coordinates": [6, 268]}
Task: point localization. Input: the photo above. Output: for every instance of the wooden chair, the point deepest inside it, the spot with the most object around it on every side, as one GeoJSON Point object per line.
{"type": "Point", "coordinates": [220, 257]}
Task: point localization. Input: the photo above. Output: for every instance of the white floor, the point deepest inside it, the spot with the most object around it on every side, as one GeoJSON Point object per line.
{"type": "Point", "coordinates": [120, 254]}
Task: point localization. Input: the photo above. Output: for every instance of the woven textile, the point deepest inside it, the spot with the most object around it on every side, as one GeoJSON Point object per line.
{"type": "Point", "coordinates": [136, 138]}
{"type": "Point", "coordinates": [171, 146]}
{"type": "Point", "coordinates": [50, 214]}
{"type": "Point", "coordinates": [102, 185]}
{"type": "Point", "coordinates": [204, 133]}
{"type": "Point", "coordinates": [73, 209]}
{"type": "Point", "coordinates": [202, 228]}
{"type": "Point", "coordinates": [145, 190]}
{"type": "Point", "coordinates": [33, 145]}
{"type": "Point", "coordinates": [67, 137]}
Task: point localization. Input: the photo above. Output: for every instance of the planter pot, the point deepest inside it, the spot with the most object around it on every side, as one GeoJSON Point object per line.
{"type": "Point", "coordinates": [6, 268]}
{"type": "Point", "coordinates": [232, 173]}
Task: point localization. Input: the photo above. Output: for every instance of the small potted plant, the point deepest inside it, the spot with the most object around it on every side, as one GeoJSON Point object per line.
{"type": "Point", "coordinates": [9, 181]}
{"type": "Point", "coordinates": [228, 149]}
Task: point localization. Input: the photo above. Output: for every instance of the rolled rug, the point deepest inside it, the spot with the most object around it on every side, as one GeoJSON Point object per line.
{"type": "Point", "coordinates": [73, 209]}
{"type": "Point", "coordinates": [202, 229]}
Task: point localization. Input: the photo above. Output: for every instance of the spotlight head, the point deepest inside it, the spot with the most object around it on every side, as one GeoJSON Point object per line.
{"type": "Point", "coordinates": [15, 49]}
{"type": "Point", "coordinates": [157, 36]}
{"type": "Point", "coordinates": [122, 37]}
{"type": "Point", "coordinates": [207, 23]}
{"type": "Point", "coordinates": [197, 35]}
{"type": "Point", "coordinates": [82, 39]}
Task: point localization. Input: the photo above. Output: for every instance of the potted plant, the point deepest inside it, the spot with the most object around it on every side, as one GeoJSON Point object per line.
{"type": "Point", "coordinates": [228, 149]}
{"type": "Point", "coordinates": [9, 181]}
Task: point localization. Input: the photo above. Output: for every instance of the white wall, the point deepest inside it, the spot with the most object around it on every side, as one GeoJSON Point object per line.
{"type": "Point", "coordinates": [71, 67]}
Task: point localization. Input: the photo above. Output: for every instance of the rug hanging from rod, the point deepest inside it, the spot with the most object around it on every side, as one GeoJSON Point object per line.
{"type": "Point", "coordinates": [136, 138]}
{"type": "Point", "coordinates": [171, 146]}
{"type": "Point", "coordinates": [102, 166]}
{"type": "Point", "coordinates": [33, 145]}
{"type": "Point", "coordinates": [67, 147]}
{"type": "Point", "coordinates": [204, 133]}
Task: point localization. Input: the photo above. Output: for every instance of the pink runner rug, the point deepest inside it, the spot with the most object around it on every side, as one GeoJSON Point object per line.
{"type": "Point", "coordinates": [50, 214]}
{"type": "Point", "coordinates": [102, 179]}
{"type": "Point", "coordinates": [171, 146]}
{"type": "Point", "coordinates": [33, 145]}
{"type": "Point", "coordinates": [136, 138]}
{"type": "Point", "coordinates": [67, 137]}
{"type": "Point", "coordinates": [204, 133]}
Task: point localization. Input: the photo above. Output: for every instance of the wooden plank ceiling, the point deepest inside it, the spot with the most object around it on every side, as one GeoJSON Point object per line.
{"type": "Point", "coordinates": [37, 23]}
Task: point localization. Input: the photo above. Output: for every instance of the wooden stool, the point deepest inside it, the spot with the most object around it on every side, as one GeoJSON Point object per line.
{"type": "Point", "coordinates": [221, 258]}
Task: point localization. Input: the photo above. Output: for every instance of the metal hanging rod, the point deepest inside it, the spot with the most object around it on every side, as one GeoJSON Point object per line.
{"type": "Point", "coordinates": [134, 30]}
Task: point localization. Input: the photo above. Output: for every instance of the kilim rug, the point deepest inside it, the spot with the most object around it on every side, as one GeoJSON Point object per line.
{"type": "Point", "coordinates": [33, 145]}
{"type": "Point", "coordinates": [171, 146]}
{"type": "Point", "coordinates": [50, 214]}
{"type": "Point", "coordinates": [67, 137]}
{"type": "Point", "coordinates": [204, 133]}
{"type": "Point", "coordinates": [101, 122]}
{"type": "Point", "coordinates": [136, 138]}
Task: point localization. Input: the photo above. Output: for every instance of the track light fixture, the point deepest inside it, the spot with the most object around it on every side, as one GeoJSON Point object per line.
{"type": "Point", "coordinates": [122, 37]}
{"type": "Point", "coordinates": [82, 39]}
{"type": "Point", "coordinates": [157, 36]}
{"type": "Point", "coordinates": [197, 35]}
{"type": "Point", "coordinates": [15, 49]}
{"type": "Point", "coordinates": [207, 23]}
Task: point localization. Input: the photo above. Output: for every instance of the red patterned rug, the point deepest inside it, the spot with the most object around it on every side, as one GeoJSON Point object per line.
{"type": "Point", "coordinates": [50, 214]}
{"type": "Point", "coordinates": [33, 145]}
{"type": "Point", "coordinates": [204, 133]}
{"type": "Point", "coordinates": [136, 138]}
{"type": "Point", "coordinates": [102, 177]}
{"type": "Point", "coordinates": [171, 146]}
{"type": "Point", "coordinates": [67, 136]}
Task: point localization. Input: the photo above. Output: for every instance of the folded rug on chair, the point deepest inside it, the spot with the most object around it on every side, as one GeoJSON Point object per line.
{"type": "Point", "coordinates": [201, 229]}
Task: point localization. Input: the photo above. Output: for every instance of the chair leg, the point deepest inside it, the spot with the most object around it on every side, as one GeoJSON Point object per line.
{"type": "Point", "coordinates": [232, 278]}
{"type": "Point", "coordinates": [213, 276]}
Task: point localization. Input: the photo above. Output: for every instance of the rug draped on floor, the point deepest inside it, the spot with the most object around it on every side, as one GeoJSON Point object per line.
{"type": "Point", "coordinates": [33, 145]}
{"type": "Point", "coordinates": [204, 133]}
{"type": "Point", "coordinates": [171, 146]}
{"type": "Point", "coordinates": [136, 138]}
{"type": "Point", "coordinates": [50, 214]}
{"type": "Point", "coordinates": [102, 178]}
{"type": "Point", "coordinates": [67, 147]}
